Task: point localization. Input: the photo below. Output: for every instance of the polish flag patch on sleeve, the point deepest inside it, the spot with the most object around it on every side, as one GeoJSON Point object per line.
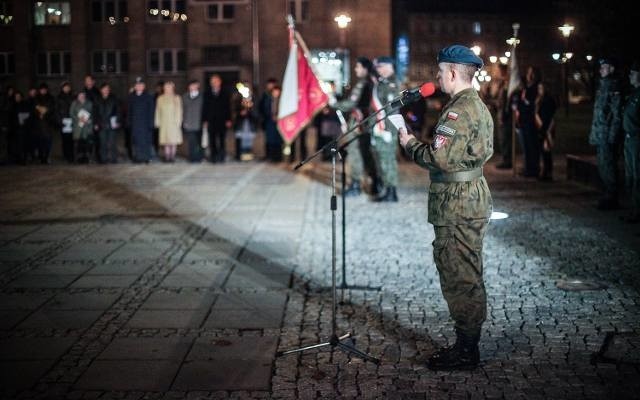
{"type": "Point", "coordinates": [438, 142]}
{"type": "Point", "coordinates": [452, 115]}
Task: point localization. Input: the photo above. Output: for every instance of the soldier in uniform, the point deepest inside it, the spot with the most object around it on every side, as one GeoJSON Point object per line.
{"type": "Point", "coordinates": [384, 141]}
{"type": "Point", "coordinates": [631, 126]}
{"type": "Point", "coordinates": [359, 150]}
{"type": "Point", "coordinates": [606, 132]}
{"type": "Point", "coordinates": [459, 201]}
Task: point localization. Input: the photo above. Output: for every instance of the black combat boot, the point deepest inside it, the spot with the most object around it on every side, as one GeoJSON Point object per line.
{"type": "Point", "coordinates": [464, 354]}
{"type": "Point", "coordinates": [389, 194]}
{"type": "Point", "coordinates": [353, 189]}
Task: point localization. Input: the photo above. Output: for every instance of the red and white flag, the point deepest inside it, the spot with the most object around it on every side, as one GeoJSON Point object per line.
{"type": "Point", "coordinates": [302, 97]}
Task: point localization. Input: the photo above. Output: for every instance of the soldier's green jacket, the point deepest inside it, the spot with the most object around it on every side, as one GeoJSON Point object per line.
{"type": "Point", "coordinates": [384, 91]}
{"type": "Point", "coordinates": [359, 98]}
{"type": "Point", "coordinates": [606, 124]}
{"type": "Point", "coordinates": [631, 115]}
{"type": "Point", "coordinates": [463, 141]}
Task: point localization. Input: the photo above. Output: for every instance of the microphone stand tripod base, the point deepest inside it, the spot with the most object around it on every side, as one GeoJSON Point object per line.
{"type": "Point", "coordinates": [334, 342]}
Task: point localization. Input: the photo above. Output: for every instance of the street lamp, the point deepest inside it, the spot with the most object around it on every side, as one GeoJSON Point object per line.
{"type": "Point", "coordinates": [342, 20]}
{"type": "Point", "coordinates": [476, 50]}
{"type": "Point", "coordinates": [566, 30]}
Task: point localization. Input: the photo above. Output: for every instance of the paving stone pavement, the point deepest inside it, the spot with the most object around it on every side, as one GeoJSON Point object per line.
{"type": "Point", "coordinates": [182, 281]}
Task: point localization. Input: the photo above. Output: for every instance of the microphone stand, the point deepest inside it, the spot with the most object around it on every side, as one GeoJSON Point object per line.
{"type": "Point", "coordinates": [335, 341]}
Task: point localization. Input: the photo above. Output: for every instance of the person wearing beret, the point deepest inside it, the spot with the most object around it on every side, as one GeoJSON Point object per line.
{"type": "Point", "coordinates": [606, 132]}
{"type": "Point", "coordinates": [384, 139]}
{"type": "Point", "coordinates": [460, 202]}
{"type": "Point", "coordinates": [631, 126]}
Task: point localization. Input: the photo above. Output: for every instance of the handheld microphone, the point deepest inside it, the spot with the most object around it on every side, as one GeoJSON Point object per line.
{"type": "Point", "coordinates": [411, 95]}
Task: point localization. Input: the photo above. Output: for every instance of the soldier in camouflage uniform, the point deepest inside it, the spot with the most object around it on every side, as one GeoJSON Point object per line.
{"type": "Point", "coordinates": [384, 135]}
{"type": "Point", "coordinates": [606, 133]}
{"type": "Point", "coordinates": [631, 126]}
{"type": "Point", "coordinates": [359, 150]}
{"type": "Point", "coordinates": [460, 202]}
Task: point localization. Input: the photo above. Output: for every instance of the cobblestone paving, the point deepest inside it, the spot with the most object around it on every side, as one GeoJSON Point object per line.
{"type": "Point", "coordinates": [182, 281]}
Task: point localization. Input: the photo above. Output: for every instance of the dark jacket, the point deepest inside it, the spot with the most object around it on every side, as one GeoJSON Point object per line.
{"type": "Point", "coordinates": [216, 109]}
{"type": "Point", "coordinates": [44, 119]}
{"type": "Point", "coordinates": [63, 104]}
{"type": "Point", "coordinates": [105, 109]}
{"type": "Point", "coordinates": [140, 114]}
{"type": "Point", "coordinates": [606, 126]}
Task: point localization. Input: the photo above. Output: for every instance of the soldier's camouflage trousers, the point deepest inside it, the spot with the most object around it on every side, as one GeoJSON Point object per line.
{"type": "Point", "coordinates": [457, 252]}
{"type": "Point", "coordinates": [354, 157]}
{"type": "Point", "coordinates": [387, 162]}
{"type": "Point", "coordinates": [632, 168]}
{"type": "Point", "coordinates": [607, 158]}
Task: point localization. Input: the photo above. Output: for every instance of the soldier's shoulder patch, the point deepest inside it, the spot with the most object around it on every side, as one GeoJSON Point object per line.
{"type": "Point", "coordinates": [438, 142]}
{"type": "Point", "coordinates": [452, 115]}
{"type": "Point", "coordinates": [445, 130]}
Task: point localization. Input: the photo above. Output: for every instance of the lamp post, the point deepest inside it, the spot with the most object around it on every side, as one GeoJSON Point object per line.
{"type": "Point", "coordinates": [566, 30]}
{"type": "Point", "coordinates": [343, 21]}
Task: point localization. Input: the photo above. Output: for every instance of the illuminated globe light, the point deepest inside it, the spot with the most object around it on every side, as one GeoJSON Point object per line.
{"type": "Point", "coordinates": [504, 60]}
{"type": "Point", "coordinates": [589, 57]}
{"type": "Point", "coordinates": [493, 59]}
{"type": "Point", "coordinates": [244, 90]}
{"type": "Point", "coordinates": [568, 55]}
{"type": "Point", "coordinates": [476, 50]}
{"type": "Point", "coordinates": [507, 53]}
{"type": "Point", "coordinates": [342, 20]}
{"type": "Point", "coordinates": [555, 56]}
{"type": "Point", "coordinates": [183, 17]}
{"type": "Point", "coordinates": [566, 29]}
{"type": "Point", "coordinates": [481, 78]}
{"type": "Point", "coordinates": [499, 215]}
{"type": "Point", "coordinates": [487, 78]}
{"type": "Point", "coordinates": [154, 11]}
{"type": "Point", "coordinates": [483, 73]}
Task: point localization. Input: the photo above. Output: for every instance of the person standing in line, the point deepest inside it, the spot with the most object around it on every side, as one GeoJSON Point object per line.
{"type": "Point", "coordinates": [273, 138]}
{"type": "Point", "coordinates": [545, 123]}
{"type": "Point", "coordinates": [20, 128]}
{"type": "Point", "coordinates": [44, 123]}
{"type": "Point", "coordinates": [140, 120]}
{"type": "Point", "coordinates": [168, 119]}
{"type": "Point", "coordinates": [216, 117]}
{"type": "Point", "coordinates": [460, 202]}
{"type": "Point", "coordinates": [606, 132]}
{"type": "Point", "coordinates": [192, 120]}
{"type": "Point", "coordinates": [631, 126]}
{"type": "Point", "coordinates": [82, 122]}
{"type": "Point", "coordinates": [527, 132]}
{"type": "Point", "coordinates": [107, 120]}
{"type": "Point", "coordinates": [63, 104]}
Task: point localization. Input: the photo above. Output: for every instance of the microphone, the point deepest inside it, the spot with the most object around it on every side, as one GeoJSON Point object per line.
{"type": "Point", "coordinates": [411, 95]}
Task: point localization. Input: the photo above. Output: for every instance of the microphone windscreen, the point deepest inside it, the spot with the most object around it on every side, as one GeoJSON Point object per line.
{"type": "Point", "coordinates": [427, 89]}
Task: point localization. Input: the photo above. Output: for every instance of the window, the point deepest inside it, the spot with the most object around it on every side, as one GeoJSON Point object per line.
{"type": "Point", "coordinates": [7, 64]}
{"type": "Point", "coordinates": [221, 12]}
{"type": "Point", "coordinates": [54, 63]}
{"type": "Point", "coordinates": [6, 13]}
{"type": "Point", "coordinates": [110, 62]}
{"type": "Point", "coordinates": [111, 11]}
{"type": "Point", "coordinates": [477, 28]}
{"type": "Point", "coordinates": [299, 9]}
{"type": "Point", "coordinates": [166, 10]}
{"type": "Point", "coordinates": [220, 55]}
{"type": "Point", "coordinates": [166, 61]}
{"type": "Point", "coordinates": [52, 13]}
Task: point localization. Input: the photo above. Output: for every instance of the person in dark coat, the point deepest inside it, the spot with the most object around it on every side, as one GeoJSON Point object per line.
{"type": "Point", "coordinates": [19, 128]}
{"type": "Point", "coordinates": [63, 104]}
{"type": "Point", "coordinates": [107, 118]}
{"type": "Point", "coordinates": [527, 130]}
{"type": "Point", "coordinates": [273, 139]}
{"type": "Point", "coordinates": [141, 109]}
{"type": "Point", "coordinates": [216, 117]}
{"type": "Point", "coordinates": [44, 122]}
{"type": "Point", "coordinates": [545, 123]}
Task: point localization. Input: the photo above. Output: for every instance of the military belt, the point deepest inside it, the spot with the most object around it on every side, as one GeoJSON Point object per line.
{"type": "Point", "coordinates": [460, 176]}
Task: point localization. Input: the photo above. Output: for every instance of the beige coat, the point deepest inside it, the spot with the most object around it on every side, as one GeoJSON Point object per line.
{"type": "Point", "coordinates": [169, 119]}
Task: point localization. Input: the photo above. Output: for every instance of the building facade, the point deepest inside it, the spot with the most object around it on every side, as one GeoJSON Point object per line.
{"type": "Point", "coordinates": [178, 40]}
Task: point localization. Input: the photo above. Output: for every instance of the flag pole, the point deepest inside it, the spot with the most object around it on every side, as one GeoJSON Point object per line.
{"type": "Point", "coordinates": [516, 27]}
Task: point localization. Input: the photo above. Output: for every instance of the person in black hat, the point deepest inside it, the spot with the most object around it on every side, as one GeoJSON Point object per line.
{"type": "Point", "coordinates": [44, 122]}
{"type": "Point", "coordinates": [140, 120]}
{"type": "Point", "coordinates": [357, 104]}
{"type": "Point", "coordinates": [606, 132]}
{"type": "Point", "coordinates": [631, 126]}
{"type": "Point", "coordinates": [64, 120]}
{"type": "Point", "coordinates": [460, 202]}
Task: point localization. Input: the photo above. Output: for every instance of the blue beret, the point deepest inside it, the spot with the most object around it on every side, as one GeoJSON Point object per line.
{"type": "Point", "coordinates": [458, 54]}
{"type": "Point", "coordinates": [384, 60]}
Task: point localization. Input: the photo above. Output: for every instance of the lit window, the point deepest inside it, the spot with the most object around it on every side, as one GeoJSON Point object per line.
{"type": "Point", "coordinates": [477, 28]}
{"type": "Point", "coordinates": [221, 12]}
{"type": "Point", "coordinates": [166, 10]}
{"type": "Point", "coordinates": [6, 13]}
{"type": "Point", "coordinates": [54, 63]}
{"type": "Point", "coordinates": [52, 13]}
{"type": "Point", "coordinates": [110, 62]}
{"type": "Point", "coordinates": [166, 61]}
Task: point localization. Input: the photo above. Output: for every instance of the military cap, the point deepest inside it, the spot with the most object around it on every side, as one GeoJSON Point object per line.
{"type": "Point", "coordinates": [458, 54]}
{"type": "Point", "coordinates": [139, 79]}
{"type": "Point", "coordinates": [384, 60]}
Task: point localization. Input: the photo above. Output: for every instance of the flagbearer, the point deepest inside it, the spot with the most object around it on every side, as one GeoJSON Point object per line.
{"type": "Point", "coordinates": [384, 135]}
{"type": "Point", "coordinates": [459, 201]}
